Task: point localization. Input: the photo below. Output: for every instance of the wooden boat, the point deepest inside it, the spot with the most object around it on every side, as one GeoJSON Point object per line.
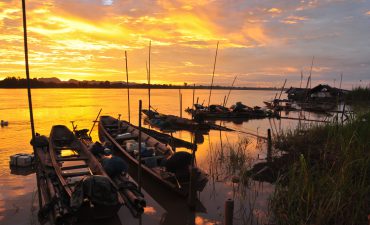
{"type": "Point", "coordinates": [171, 122]}
{"type": "Point", "coordinates": [122, 135]}
{"type": "Point", "coordinates": [280, 105]}
{"type": "Point", "coordinates": [222, 113]}
{"type": "Point", "coordinates": [73, 164]}
{"type": "Point", "coordinates": [133, 197]}
{"type": "Point", "coordinates": [250, 114]}
{"type": "Point", "coordinates": [169, 139]}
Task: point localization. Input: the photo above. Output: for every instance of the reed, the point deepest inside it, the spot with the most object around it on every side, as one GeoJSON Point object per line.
{"type": "Point", "coordinates": [327, 179]}
{"type": "Point", "coordinates": [359, 96]}
{"type": "Point", "coordinates": [229, 163]}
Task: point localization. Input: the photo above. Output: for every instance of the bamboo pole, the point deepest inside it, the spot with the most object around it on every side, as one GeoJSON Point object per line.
{"type": "Point", "coordinates": [24, 19]}
{"type": "Point", "coordinates": [213, 75]}
{"type": "Point", "coordinates": [150, 45]}
{"type": "Point", "coordinates": [224, 101]}
{"type": "Point", "coordinates": [300, 86]}
{"type": "Point", "coordinates": [228, 94]}
{"type": "Point", "coordinates": [27, 67]}
{"type": "Point", "coordinates": [313, 58]}
{"type": "Point", "coordinates": [180, 99]}
{"type": "Point", "coordinates": [269, 146]}
{"type": "Point", "coordinates": [139, 140]}
{"type": "Point", "coordinates": [282, 88]}
{"type": "Point", "coordinates": [193, 95]}
{"type": "Point", "coordinates": [97, 117]}
{"type": "Point", "coordinates": [309, 78]}
{"type": "Point", "coordinates": [192, 195]}
{"type": "Point", "coordinates": [128, 90]}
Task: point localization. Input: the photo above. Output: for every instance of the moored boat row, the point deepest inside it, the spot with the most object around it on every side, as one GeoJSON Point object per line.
{"type": "Point", "coordinates": [159, 162]}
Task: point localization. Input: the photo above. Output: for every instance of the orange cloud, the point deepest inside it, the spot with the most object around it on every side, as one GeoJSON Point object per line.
{"type": "Point", "coordinates": [294, 19]}
{"type": "Point", "coordinates": [274, 10]}
{"type": "Point", "coordinates": [87, 39]}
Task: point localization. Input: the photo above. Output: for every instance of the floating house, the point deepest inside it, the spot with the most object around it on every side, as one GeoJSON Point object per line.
{"type": "Point", "coordinates": [321, 92]}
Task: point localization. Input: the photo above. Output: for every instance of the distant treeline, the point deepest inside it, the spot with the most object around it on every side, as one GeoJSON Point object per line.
{"type": "Point", "coordinates": [16, 82]}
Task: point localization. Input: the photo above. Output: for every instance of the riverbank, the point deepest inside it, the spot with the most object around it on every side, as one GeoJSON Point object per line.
{"type": "Point", "coordinates": [325, 177]}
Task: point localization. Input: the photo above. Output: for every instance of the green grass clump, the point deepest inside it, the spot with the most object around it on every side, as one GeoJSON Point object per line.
{"type": "Point", "coordinates": [328, 179]}
{"type": "Point", "coordinates": [358, 96]}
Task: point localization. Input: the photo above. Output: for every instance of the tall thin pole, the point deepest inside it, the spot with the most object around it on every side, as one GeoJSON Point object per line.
{"type": "Point", "coordinates": [180, 98]}
{"type": "Point", "coordinates": [139, 169]}
{"type": "Point", "coordinates": [300, 86]}
{"type": "Point", "coordinates": [192, 106]}
{"type": "Point", "coordinates": [213, 75]}
{"type": "Point", "coordinates": [29, 94]}
{"type": "Point", "coordinates": [310, 79]}
{"type": "Point", "coordinates": [282, 88]}
{"type": "Point", "coordinates": [97, 117]}
{"type": "Point", "coordinates": [228, 94]}
{"type": "Point", "coordinates": [341, 77]}
{"type": "Point", "coordinates": [128, 90]}
{"type": "Point", "coordinates": [27, 67]}
{"type": "Point", "coordinates": [150, 45]}
{"type": "Point", "coordinates": [224, 102]}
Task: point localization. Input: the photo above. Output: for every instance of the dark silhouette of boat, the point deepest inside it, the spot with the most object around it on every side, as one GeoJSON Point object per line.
{"type": "Point", "coordinates": [123, 136]}
{"type": "Point", "coordinates": [69, 171]}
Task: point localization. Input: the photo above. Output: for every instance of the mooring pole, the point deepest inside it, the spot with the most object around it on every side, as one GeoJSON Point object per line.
{"type": "Point", "coordinates": [313, 58]}
{"type": "Point", "coordinates": [224, 102]}
{"type": "Point", "coordinates": [150, 46]}
{"type": "Point", "coordinates": [139, 169]}
{"type": "Point", "coordinates": [213, 75]}
{"type": "Point", "coordinates": [128, 90]}
{"type": "Point", "coordinates": [269, 145]}
{"type": "Point", "coordinates": [27, 67]}
{"type": "Point", "coordinates": [180, 98]}
{"type": "Point", "coordinates": [193, 95]}
{"type": "Point", "coordinates": [192, 195]}
{"type": "Point", "coordinates": [300, 86]}
{"type": "Point", "coordinates": [96, 119]}
{"type": "Point", "coordinates": [29, 95]}
{"type": "Point", "coordinates": [229, 212]}
{"type": "Point", "coordinates": [228, 94]}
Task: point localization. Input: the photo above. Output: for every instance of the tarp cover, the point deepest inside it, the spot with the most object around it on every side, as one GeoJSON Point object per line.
{"type": "Point", "coordinates": [98, 189]}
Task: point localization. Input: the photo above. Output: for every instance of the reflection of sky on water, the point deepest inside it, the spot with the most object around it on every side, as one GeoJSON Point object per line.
{"type": "Point", "coordinates": [60, 106]}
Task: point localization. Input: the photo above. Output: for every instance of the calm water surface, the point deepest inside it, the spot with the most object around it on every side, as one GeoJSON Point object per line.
{"type": "Point", "coordinates": [60, 106]}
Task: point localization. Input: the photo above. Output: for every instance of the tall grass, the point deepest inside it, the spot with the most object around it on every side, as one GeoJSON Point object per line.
{"type": "Point", "coordinates": [328, 178]}
{"type": "Point", "coordinates": [229, 164]}
{"type": "Point", "coordinates": [358, 95]}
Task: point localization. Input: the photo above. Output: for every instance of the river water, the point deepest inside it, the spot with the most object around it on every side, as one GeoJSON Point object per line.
{"type": "Point", "coordinates": [60, 106]}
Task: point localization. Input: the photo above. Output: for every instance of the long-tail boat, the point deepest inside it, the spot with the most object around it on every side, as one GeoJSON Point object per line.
{"type": "Point", "coordinates": [125, 139]}
{"type": "Point", "coordinates": [219, 112]}
{"type": "Point", "coordinates": [169, 139]}
{"type": "Point", "coordinates": [172, 122]}
{"type": "Point", "coordinates": [133, 197]}
{"type": "Point", "coordinates": [76, 173]}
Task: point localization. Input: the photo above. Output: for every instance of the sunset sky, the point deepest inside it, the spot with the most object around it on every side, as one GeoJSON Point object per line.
{"type": "Point", "coordinates": [261, 41]}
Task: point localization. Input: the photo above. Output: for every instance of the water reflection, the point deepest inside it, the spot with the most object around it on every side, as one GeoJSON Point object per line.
{"type": "Point", "coordinates": [60, 106]}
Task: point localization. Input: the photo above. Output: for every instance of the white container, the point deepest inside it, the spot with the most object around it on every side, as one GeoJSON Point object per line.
{"type": "Point", "coordinates": [22, 160]}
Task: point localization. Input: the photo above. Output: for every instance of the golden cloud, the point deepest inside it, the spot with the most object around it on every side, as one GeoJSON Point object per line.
{"type": "Point", "coordinates": [275, 10]}
{"type": "Point", "coordinates": [294, 19]}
